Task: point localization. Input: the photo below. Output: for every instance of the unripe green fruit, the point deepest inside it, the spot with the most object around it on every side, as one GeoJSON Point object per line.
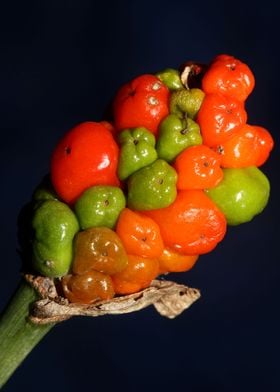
{"type": "Point", "coordinates": [137, 150]}
{"type": "Point", "coordinates": [171, 78]}
{"type": "Point", "coordinates": [99, 206]}
{"type": "Point", "coordinates": [175, 135]}
{"type": "Point", "coordinates": [152, 187]}
{"type": "Point", "coordinates": [186, 101]}
{"type": "Point", "coordinates": [242, 194]}
{"type": "Point", "coordinates": [55, 226]}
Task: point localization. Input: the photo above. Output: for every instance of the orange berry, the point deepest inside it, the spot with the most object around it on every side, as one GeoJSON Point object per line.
{"type": "Point", "coordinates": [229, 76]}
{"type": "Point", "coordinates": [198, 167]}
{"type": "Point", "coordinates": [266, 144]}
{"type": "Point", "coordinates": [219, 117]}
{"type": "Point", "coordinates": [87, 288]}
{"type": "Point", "coordinates": [171, 261]}
{"type": "Point", "coordinates": [249, 146]}
{"type": "Point", "coordinates": [99, 249]}
{"type": "Point", "coordinates": [139, 234]}
{"type": "Point", "coordinates": [192, 225]}
{"type": "Point", "coordinates": [136, 276]}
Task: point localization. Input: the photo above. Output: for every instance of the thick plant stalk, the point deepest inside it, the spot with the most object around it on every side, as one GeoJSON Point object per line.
{"type": "Point", "coordinates": [18, 335]}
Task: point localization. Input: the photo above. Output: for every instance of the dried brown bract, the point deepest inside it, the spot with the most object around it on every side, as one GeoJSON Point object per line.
{"type": "Point", "coordinates": [169, 298]}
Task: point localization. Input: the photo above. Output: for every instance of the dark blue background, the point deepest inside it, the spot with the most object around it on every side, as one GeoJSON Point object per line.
{"type": "Point", "coordinates": [61, 62]}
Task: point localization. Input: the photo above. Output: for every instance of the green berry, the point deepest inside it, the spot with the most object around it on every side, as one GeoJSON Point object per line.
{"type": "Point", "coordinates": [99, 206]}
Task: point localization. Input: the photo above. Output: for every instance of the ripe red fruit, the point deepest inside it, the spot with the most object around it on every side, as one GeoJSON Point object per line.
{"type": "Point", "coordinates": [143, 102]}
{"type": "Point", "coordinates": [229, 76]}
{"type": "Point", "coordinates": [219, 117]}
{"type": "Point", "coordinates": [249, 146]}
{"type": "Point", "coordinates": [198, 167]}
{"type": "Point", "coordinates": [87, 155]}
{"type": "Point", "coordinates": [192, 225]}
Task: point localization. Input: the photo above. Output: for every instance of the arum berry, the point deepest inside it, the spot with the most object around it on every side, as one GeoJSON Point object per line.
{"type": "Point", "coordinates": [171, 78]}
{"type": "Point", "coordinates": [219, 118]}
{"type": "Point", "coordinates": [186, 102]}
{"type": "Point", "coordinates": [137, 149]}
{"type": "Point", "coordinates": [229, 76]}
{"type": "Point", "coordinates": [152, 187]}
{"type": "Point", "coordinates": [99, 249]}
{"type": "Point", "coordinates": [55, 226]}
{"type": "Point", "coordinates": [175, 135]}
{"type": "Point", "coordinates": [143, 102]}
{"type": "Point", "coordinates": [198, 167]}
{"type": "Point", "coordinates": [242, 194]}
{"type": "Point", "coordinates": [100, 205]}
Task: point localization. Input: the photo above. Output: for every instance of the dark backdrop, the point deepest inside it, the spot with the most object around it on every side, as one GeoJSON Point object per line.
{"type": "Point", "coordinates": [61, 62]}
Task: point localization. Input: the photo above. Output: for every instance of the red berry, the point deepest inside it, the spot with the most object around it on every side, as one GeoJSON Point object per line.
{"type": "Point", "coordinates": [229, 76]}
{"type": "Point", "coordinates": [219, 117]}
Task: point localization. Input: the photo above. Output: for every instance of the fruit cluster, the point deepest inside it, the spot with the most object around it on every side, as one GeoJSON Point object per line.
{"type": "Point", "coordinates": [151, 190]}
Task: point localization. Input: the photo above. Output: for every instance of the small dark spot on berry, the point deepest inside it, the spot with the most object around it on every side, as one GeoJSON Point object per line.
{"type": "Point", "coordinates": [144, 239]}
{"type": "Point", "coordinates": [220, 150]}
{"type": "Point", "coordinates": [206, 164]}
{"type": "Point", "coordinates": [106, 202]}
{"type": "Point", "coordinates": [68, 150]}
{"type": "Point", "coordinates": [135, 141]}
{"type": "Point", "coordinates": [160, 181]}
{"type": "Point", "coordinates": [184, 131]}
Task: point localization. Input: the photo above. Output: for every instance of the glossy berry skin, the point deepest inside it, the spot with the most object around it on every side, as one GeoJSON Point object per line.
{"type": "Point", "coordinates": [191, 225]}
{"type": "Point", "coordinates": [154, 188]}
{"type": "Point", "coordinates": [151, 187]}
{"type": "Point", "coordinates": [138, 275]}
{"type": "Point", "coordinates": [143, 102]}
{"type": "Point", "coordinates": [137, 150]}
{"type": "Point", "coordinates": [109, 125]}
{"type": "Point", "coordinates": [249, 146]}
{"type": "Point", "coordinates": [175, 135]}
{"type": "Point", "coordinates": [229, 76]}
{"type": "Point", "coordinates": [99, 205]}
{"type": "Point", "coordinates": [171, 78]}
{"type": "Point", "coordinates": [243, 194]}
{"type": "Point", "coordinates": [54, 226]}
{"type": "Point", "coordinates": [139, 234]}
{"type": "Point", "coordinates": [265, 143]}
{"type": "Point", "coordinates": [88, 288]}
{"type": "Point", "coordinates": [219, 117]}
{"type": "Point", "coordinates": [87, 155]}
{"type": "Point", "coordinates": [99, 249]}
{"type": "Point", "coordinates": [171, 261]}
{"type": "Point", "coordinates": [198, 167]}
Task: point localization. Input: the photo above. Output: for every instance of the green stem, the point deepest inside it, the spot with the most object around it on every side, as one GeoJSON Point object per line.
{"type": "Point", "coordinates": [18, 335]}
